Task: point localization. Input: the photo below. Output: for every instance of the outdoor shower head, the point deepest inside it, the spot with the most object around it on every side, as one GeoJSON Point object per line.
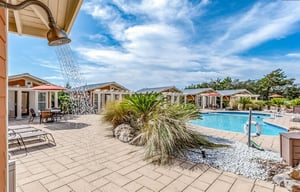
{"type": "Point", "coordinates": [55, 35]}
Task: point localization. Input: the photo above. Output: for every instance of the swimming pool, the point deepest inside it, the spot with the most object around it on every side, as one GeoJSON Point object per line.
{"type": "Point", "coordinates": [234, 121]}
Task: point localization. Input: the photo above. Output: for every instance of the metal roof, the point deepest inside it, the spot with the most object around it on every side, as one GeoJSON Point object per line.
{"type": "Point", "coordinates": [100, 85]}
{"type": "Point", "coordinates": [232, 92]}
{"type": "Point", "coordinates": [27, 75]}
{"type": "Point", "coordinates": [196, 91]}
{"type": "Point", "coordinates": [157, 89]}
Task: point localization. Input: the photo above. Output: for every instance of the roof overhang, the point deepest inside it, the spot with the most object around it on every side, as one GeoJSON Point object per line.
{"type": "Point", "coordinates": [33, 20]}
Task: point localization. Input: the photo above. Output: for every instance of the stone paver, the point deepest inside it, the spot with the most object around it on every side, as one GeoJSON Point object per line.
{"type": "Point", "coordinates": [86, 158]}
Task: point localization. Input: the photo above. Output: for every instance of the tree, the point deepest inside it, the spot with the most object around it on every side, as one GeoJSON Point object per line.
{"type": "Point", "coordinates": [244, 101]}
{"type": "Point", "coordinates": [278, 102]}
{"type": "Point", "coordinates": [274, 82]}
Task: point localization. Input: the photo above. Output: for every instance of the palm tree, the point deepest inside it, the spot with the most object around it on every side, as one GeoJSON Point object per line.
{"type": "Point", "coordinates": [244, 101]}
{"type": "Point", "coordinates": [278, 102]}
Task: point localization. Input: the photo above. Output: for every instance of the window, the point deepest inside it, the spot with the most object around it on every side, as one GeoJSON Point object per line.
{"type": "Point", "coordinates": [42, 101]}
{"type": "Point", "coordinates": [96, 103]}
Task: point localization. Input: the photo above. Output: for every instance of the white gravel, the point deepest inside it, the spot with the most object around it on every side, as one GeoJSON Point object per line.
{"type": "Point", "coordinates": [238, 158]}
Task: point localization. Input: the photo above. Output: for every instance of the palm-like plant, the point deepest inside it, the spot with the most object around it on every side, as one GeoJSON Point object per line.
{"type": "Point", "coordinates": [162, 126]}
{"type": "Point", "coordinates": [278, 102]}
{"type": "Point", "coordinates": [116, 114]}
{"type": "Point", "coordinates": [244, 101]}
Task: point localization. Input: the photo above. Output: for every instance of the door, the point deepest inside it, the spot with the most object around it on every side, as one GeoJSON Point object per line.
{"type": "Point", "coordinates": [25, 103]}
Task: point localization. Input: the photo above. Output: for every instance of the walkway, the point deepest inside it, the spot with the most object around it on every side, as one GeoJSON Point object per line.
{"type": "Point", "coordinates": [87, 158]}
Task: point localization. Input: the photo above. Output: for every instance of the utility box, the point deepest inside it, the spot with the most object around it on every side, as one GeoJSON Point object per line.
{"type": "Point", "coordinates": [12, 176]}
{"type": "Point", "coordinates": [290, 148]}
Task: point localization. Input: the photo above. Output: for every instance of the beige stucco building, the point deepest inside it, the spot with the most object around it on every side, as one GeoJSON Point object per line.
{"type": "Point", "coordinates": [22, 96]}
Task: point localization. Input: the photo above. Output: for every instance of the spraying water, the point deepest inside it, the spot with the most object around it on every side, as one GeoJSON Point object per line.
{"type": "Point", "coordinates": [79, 98]}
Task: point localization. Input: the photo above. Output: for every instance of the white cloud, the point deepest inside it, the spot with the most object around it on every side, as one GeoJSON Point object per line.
{"type": "Point", "coordinates": [158, 47]}
{"type": "Point", "coordinates": [264, 21]}
{"type": "Point", "coordinates": [296, 55]}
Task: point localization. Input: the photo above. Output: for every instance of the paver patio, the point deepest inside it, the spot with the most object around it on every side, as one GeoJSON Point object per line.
{"type": "Point", "coordinates": [87, 158]}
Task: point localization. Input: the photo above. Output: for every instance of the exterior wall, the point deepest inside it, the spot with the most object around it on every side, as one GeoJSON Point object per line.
{"type": "Point", "coordinates": [3, 93]}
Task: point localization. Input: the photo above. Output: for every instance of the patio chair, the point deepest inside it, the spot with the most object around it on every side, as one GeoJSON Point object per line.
{"type": "Point", "coordinates": [32, 115]}
{"type": "Point", "coordinates": [45, 115]}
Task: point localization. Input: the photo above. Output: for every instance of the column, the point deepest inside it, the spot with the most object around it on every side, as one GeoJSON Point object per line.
{"type": "Point", "coordinates": [203, 102]}
{"type": "Point", "coordinates": [36, 101]}
{"type": "Point", "coordinates": [221, 102]}
{"type": "Point", "coordinates": [112, 96]}
{"type": "Point", "coordinates": [102, 100]}
{"type": "Point", "coordinates": [55, 99]}
{"type": "Point", "coordinates": [172, 98]}
{"type": "Point", "coordinates": [47, 100]}
{"type": "Point", "coordinates": [196, 100]}
{"type": "Point", "coordinates": [185, 99]}
{"type": "Point", "coordinates": [19, 104]}
{"type": "Point", "coordinates": [99, 102]}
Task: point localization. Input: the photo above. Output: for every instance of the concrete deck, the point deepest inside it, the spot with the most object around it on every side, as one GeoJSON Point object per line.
{"type": "Point", "coordinates": [87, 158]}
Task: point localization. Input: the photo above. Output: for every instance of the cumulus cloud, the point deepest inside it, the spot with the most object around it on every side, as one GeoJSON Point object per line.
{"type": "Point", "coordinates": [158, 43]}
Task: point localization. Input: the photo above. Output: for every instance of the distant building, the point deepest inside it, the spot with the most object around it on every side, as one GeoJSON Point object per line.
{"type": "Point", "coordinates": [202, 97]}
{"type": "Point", "coordinates": [101, 93]}
{"type": "Point", "coordinates": [230, 96]}
{"type": "Point", "coordinates": [22, 96]}
{"type": "Point", "coordinates": [170, 92]}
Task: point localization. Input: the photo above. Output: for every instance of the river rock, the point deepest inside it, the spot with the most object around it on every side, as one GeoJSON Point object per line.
{"type": "Point", "coordinates": [284, 180]}
{"type": "Point", "coordinates": [124, 132]}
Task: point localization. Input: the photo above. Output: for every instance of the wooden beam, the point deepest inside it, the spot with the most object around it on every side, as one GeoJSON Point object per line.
{"type": "Point", "coordinates": [40, 12]}
{"type": "Point", "coordinates": [17, 19]}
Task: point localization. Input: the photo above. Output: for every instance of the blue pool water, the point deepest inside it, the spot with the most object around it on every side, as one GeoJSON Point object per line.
{"type": "Point", "coordinates": [234, 121]}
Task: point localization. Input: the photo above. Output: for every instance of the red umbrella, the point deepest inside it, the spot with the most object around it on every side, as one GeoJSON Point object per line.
{"type": "Point", "coordinates": [276, 96]}
{"type": "Point", "coordinates": [49, 87]}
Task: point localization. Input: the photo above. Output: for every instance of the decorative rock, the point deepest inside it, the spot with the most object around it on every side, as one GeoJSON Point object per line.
{"type": "Point", "coordinates": [124, 133]}
{"type": "Point", "coordinates": [284, 180]}
{"type": "Point", "coordinates": [295, 174]}
{"type": "Point", "coordinates": [238, 158]}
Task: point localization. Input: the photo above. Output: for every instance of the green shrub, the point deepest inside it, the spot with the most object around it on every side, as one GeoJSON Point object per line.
{"type": "Point", "coordinates": [295, 102]}
{"type": "Point", "coordinates": [161, 125]}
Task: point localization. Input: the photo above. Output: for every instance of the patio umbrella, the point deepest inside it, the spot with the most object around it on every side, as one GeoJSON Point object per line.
{"type": "Point", "coordinates": [276, 96]}
{"type": "Point", "coordinates": [49, 87]}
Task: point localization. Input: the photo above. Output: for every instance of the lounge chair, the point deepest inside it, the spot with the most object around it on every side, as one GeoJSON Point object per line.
{"type": "Point", "coordinates": [295, 118]}
{"type": "Point", "coordinates": [22, 135]}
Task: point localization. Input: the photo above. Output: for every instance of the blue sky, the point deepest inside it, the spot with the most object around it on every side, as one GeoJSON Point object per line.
{"type": "Point", "coordinates": [150, 43]}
